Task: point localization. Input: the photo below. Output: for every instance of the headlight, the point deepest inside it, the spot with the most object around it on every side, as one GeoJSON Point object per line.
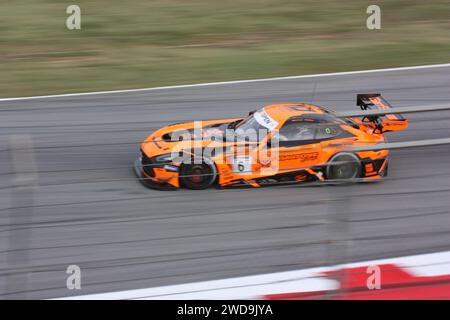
{"type": "Point", "coordinates": [164, 158]}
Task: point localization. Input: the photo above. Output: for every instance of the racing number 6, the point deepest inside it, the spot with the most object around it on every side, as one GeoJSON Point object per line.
{"type": "Point", "coordinates": [242, 165]}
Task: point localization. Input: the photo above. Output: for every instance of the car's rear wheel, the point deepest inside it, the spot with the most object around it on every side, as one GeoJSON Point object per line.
{"type": "Point", "coordinates": [198, 176]}
{"type": "Point", "coordinates": [344, 166]}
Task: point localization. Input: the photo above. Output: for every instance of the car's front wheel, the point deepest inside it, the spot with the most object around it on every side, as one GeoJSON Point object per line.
{"type": "Point", "coordinates": [344, 166]}
{"type": "Point", "coordinates": [199, 175]}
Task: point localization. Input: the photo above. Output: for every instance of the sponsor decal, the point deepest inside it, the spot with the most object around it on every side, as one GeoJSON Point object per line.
{"type": "Point", "coordinates": [302, 157]}
{"type": "Point", "coordinates": [265, 120]}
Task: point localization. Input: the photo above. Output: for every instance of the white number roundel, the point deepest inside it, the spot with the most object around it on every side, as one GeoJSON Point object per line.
{"type": "Point", "coordinates": [242, 165]}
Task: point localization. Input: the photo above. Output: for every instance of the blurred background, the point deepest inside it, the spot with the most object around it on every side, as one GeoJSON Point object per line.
{"type": "Point", "coordinates": [68, 195]}
{"type": "Point", "coordinates": [141, 43]}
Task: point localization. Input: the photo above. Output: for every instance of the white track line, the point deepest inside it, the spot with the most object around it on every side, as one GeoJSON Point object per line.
{"type": "Point", "coordinates": [446, 65]}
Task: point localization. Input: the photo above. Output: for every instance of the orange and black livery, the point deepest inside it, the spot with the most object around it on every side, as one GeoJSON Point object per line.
{"type": "Point", "coordinates": [280, 143]}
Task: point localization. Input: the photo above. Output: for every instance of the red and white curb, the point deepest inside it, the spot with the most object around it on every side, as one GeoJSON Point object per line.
{"type": "Point", "coordinates": [424, 276]}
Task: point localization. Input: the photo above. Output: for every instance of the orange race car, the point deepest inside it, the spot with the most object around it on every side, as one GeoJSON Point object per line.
{"type": "Point", "coordinates": [281, 143]}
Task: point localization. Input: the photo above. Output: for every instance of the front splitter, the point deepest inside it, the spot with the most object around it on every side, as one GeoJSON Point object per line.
{"type": "Point", "coordinates": [148, 182]}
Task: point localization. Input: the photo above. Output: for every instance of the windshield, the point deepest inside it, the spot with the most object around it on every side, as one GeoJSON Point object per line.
{"type": "Point", "coordinates": [250, 130]}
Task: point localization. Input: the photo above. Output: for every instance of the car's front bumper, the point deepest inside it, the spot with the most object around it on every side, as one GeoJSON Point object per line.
{"type": "Point", "coordinates": [150, 182]}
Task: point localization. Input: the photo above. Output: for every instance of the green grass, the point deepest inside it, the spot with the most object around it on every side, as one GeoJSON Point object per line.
{"type": "Point", "coordinates": [146, 43]}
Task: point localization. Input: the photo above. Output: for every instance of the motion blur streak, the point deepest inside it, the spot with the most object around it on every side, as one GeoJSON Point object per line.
{"type": "Point", "coordinates": [157, 238]}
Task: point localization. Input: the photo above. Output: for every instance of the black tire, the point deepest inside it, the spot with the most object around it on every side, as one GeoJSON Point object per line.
{"type": "Point", "coordinates": [344, 166]}
{"type": "Point", "coordinates": [198, 176]}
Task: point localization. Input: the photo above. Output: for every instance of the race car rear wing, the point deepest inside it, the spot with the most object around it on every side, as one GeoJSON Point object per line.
{"type": "Point", "coordinates": [383, 123]}
{"type": "Point", "coordinates": [375, 109]}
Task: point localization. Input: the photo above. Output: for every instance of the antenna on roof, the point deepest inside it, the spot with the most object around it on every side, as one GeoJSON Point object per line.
{"type": "Point", "coordinates": [313, 93]}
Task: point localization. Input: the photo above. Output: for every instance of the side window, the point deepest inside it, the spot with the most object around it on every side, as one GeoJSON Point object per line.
{"type": "Point", "coordinates": [295, 133]}
{"type": "Point", "coordinates": [331, 131]}
{"type": "Point", "coordinates": [308, 129]}
{"type": "Point", "coordinates": [328, 132]}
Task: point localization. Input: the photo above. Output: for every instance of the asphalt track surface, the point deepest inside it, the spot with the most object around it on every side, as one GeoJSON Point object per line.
{"type": "Point", "coordinates": [88, 208]}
